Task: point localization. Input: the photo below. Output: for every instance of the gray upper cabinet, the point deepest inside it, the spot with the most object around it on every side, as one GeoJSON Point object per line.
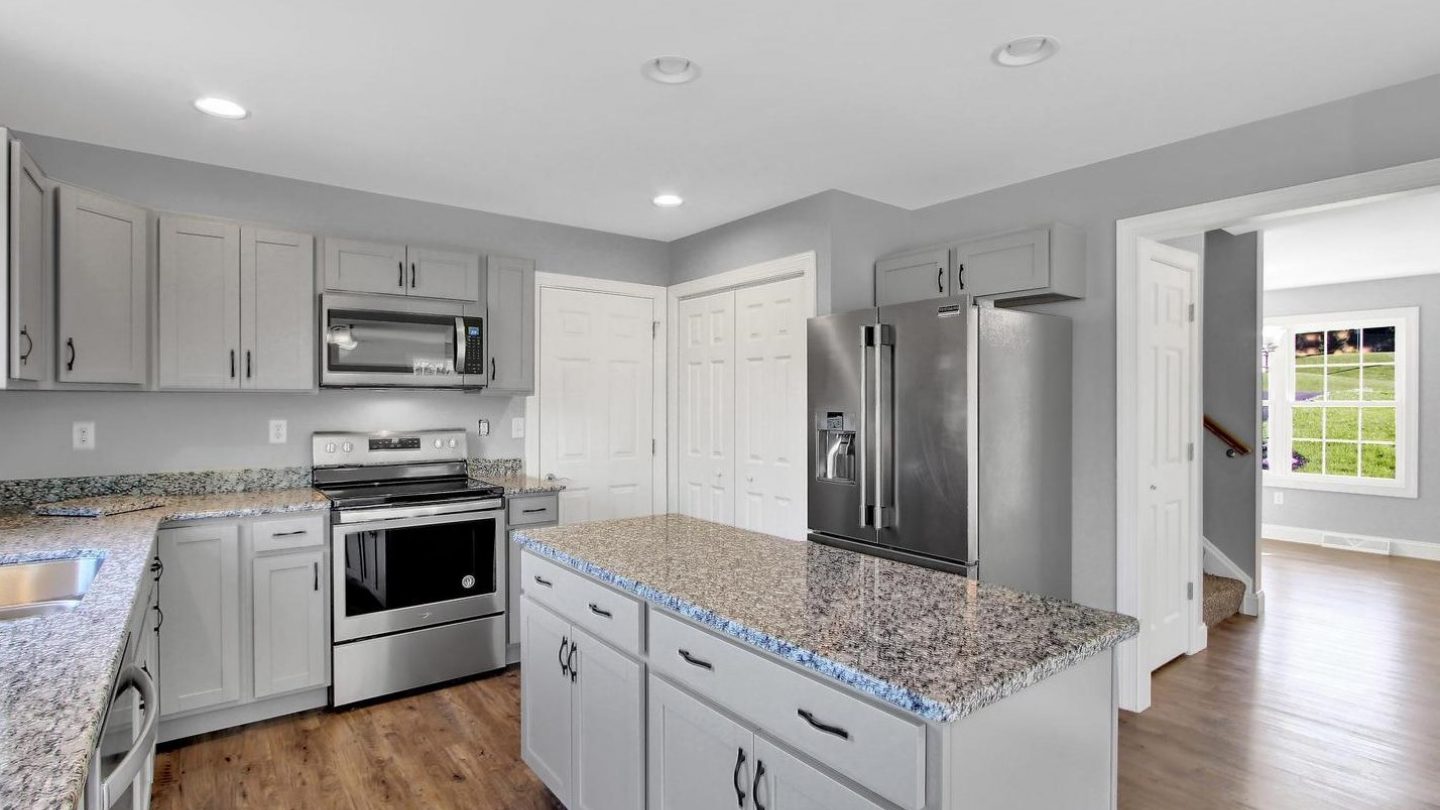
{"type": "Point", "coordinates": [237, 307]}
{"type": "Point", "coordinates": [378, 267]}
{"type": "Point", "coordinates": [103, 289]}
{"type": "Point", "coordinates": [913, 277]}
{"type": "Point", "coordinates": [443, 274]}
{"type": "Point", "coordinates": [199, 303]}
{"type": "Point", "coordinates": [32, 349]}
{"type": "Point", "coordinates": [510, 324]}
{"type": "Point", "coordinates": [373, 267]}
{"type": "Point", "coordinates": [1023, 267]}
{"type": "Point", "coordinates": [277, 309]}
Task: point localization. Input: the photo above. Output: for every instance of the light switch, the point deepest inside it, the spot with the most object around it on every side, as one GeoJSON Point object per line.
{"type": "Point", "coordinates": [82, 436]}
{"type": "Point", "coordinates": [278, 429]}
{"type": "Point", "coordinates": [517, 427]}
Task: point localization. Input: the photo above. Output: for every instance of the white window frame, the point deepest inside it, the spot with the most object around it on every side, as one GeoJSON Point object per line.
{"type": "Point", "coordinates": [1407, 421]}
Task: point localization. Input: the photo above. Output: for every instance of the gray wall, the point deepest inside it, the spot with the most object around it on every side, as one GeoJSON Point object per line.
{"type": "Point", "coordinates": [1232, 392]}
{"type": "Point", "coordinates": [1387, 127]}
{"type": "Point", "coordinates": [1398, 518]}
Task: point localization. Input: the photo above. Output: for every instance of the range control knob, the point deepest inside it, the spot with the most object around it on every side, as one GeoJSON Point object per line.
{"type": "Point", "coordinates": [454, 444]}
{"type": "Point", "coordinates": [330, 447]}
{"type": "Point", "coordinates": [347, 447]}
{"type": "Point", "coordinates": [438, 444]}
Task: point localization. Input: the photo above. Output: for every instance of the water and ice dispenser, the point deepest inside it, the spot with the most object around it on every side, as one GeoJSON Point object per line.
{"type": "Point", "coordinates": [836, 447]}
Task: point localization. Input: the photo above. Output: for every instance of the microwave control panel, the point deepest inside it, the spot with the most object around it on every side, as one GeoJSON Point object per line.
{"type": "Point", "coordinates": [474, 347]}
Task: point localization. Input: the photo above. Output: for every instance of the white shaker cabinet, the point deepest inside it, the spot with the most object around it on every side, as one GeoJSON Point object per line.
{"type": "Point", "coordinates": [277, 309]}
{"type": "Point", "coordinates": [103, 289]}
{"type": "Point", "coordinates": [200, 634]}
{"type": "Point", "coordinates": [913, 277]}
{"type": "Point", "coordinates": [32, 349]}
{"type": "Point", "coordinates": [784, 782]}
{"type": "Point", "coordinates": [353, 265]}
{"type": "Point", "coordinates": [546, 698]}
{"type": "Point", "coordinates": [199, 303]}
{"type": "Point", "coordinates": [289, 619]}
{"type": "Point", "coordinates": [510, 324]}
{"type": "Point", "coordinates": [443, 274]}
{"type": "Point", "coordinates": [1024, 267]}
{"type": "Point", "coordinates": [699, 759]}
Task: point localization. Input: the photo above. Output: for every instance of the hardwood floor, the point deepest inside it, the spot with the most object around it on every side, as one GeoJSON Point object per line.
{"type": "Point", "coordinates": [1332, 701]}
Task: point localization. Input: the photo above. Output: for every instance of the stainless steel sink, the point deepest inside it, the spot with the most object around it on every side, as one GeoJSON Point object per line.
{"type": "Point", "coordinates": [46, 586]}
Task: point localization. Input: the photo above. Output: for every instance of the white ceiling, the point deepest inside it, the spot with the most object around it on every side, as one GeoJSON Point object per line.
{"type": "Point", "coordinates": [1384, 239]}
{"type": "Point", "coordinates": [537, 108]}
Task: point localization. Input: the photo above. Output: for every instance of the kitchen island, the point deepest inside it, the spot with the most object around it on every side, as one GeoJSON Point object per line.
{"type": "Point", "coordinates": [752, 671]}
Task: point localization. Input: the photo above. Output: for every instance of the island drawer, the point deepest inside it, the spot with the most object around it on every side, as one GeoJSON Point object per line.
{"type": "Point", "coordinates": [876, 748]}
{"type": "Point", "coordinates": [529, 510]}
{"type": "Point", "coordinates": [610, 615]}
{"type": "Point", "coordinates": [282, 534]}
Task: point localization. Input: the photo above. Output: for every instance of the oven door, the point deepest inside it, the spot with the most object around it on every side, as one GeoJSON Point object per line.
{"type": "Point", "coordinates": [405, 573]}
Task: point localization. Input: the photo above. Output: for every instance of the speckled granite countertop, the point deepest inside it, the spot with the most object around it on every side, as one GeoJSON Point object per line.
{"type": "Point", "coordinates": [928, 642]}
{"type": "Point", "coordinates": [520, 484]}
{"type": "Point", "coordinates": [56, 671]}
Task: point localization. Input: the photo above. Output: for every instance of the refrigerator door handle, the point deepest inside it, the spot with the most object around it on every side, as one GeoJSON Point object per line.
{"type": "Point", "coordinates": [883, 338]}
{"type": "Point", "coordinates": [863, 473]}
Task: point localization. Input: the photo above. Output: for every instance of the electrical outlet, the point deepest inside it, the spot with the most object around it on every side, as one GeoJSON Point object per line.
{"type": "Point", "coordinates": [517, 427]}
{"type": "Point", "coordinates": [278, 428]}
{"type": "Point", "coordinates": [1279, 497]}
{"type": "Point", "coordinates": [82, 436]}
{"type": "Point", "coordinates": [484, 427]}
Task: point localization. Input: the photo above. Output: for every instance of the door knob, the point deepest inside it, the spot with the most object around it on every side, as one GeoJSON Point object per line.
{"type": "Point", "coordinates": [1152, 487]}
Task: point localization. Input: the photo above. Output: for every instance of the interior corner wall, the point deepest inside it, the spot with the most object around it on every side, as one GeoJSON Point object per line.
{"type": "Point", "coordinates": [1373, 515]}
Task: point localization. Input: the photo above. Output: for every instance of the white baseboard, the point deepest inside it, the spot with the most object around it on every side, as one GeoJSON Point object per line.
{"type": "Point", "coordinates": [1397, 547]}
{"type": "Point", "coordinates": [1216, 562]}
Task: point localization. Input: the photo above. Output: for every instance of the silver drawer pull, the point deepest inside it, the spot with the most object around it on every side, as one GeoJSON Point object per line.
{"type": "Point", "coordinates": [598, 612]}
{"type": "Point", "coordinates": [295, 533]}
{"type": "Point", "coordinates": [543, 581]}
{"type": "Point", "coordinates": [693, 661]}
{"type": "Point", "coordinates": [819, 726]}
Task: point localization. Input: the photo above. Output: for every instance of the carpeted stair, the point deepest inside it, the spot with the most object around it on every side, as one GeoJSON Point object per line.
{"type": "Point", "coordinates": [1223, 598]}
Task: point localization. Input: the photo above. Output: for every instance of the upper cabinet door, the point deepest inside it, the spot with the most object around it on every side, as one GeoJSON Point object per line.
{"type": "Point", "coordinates": [277, 310]}
{"type": "Point", "coordinates": [1015, 262]}
{"type": "Point", "coordinates": [199, 303]}
{"type": "Point", "coordinates": [913, 277]}
{"type": "Point", "coordinates": [356, 266]}
{"type": "Point", "coordinates": [510, 322]}
{"type": "Point", "coordinates": [31, 349]}
{"type": "Point", "coordinates": [443, 274]}
{"type": "Point", "coordinates": [103, 287]}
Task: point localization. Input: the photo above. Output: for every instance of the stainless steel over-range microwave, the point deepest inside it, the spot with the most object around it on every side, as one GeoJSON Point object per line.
{"type": "Point", "coordinates": [380, 341]}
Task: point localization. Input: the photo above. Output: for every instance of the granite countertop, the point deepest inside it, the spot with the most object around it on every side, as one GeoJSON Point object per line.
{"type": "Point", "coordinates": [932, 643]}
{"type": "Point", "coordinates": [56, 671]}
{"type": "Point", "coordinates": [521, 484]}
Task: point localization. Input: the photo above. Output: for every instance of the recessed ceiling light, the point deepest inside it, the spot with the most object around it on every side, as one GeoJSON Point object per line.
{"type": "Point", "coordinates": [668, 200]}
{"type": "Point", "coordinates": [221, 108]}
{"type": "Point", "coordinates": [1025, 51]}
{"type": "Point", "coordinates": [670, 70]}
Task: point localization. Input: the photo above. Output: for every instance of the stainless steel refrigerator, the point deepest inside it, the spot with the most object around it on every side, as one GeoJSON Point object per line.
{"type": "Point", "coordinates": [940, 436]}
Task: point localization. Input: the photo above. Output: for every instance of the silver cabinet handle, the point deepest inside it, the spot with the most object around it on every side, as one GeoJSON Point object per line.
{"type": "Point", "coordinates": [114, 786]}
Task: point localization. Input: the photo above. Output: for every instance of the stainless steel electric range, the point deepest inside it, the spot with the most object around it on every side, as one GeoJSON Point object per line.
{"type": "Point", "coordinates": [418, 557]}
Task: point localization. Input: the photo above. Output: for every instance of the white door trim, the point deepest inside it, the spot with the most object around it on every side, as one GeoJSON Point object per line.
{"type": "Point", "coordinates": [801, 265]}
{"type": "Point", "coordinates": [656, 294]}
{"type": "Point", "coordinates": [1240, 212]}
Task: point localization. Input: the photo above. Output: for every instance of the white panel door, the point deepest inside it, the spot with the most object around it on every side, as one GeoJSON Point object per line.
{"type": "Point", "coordinates": [277, 309]}
{"type": "Point", "coordinates": [699, 759]}
{"type": "Point", "coordinates": [1166, 456]}
{"type": "Point", "coordinates": [783, 782]}
{"type": "Point", "coordinates": [103, 289]}
{"type": "Point", "coordinates": [596, 401]}
{"type": "Point", "coordinates": [31, 348]}
{"type": "Point", "coordinates": [200, 634]}
{"type": "Point", "coordinates": [546, 697]}
{"type": "Point", "coordinates": [609, 727]}
{"type": "Point", "coordinates": [199, 303]}
{"type": "Point", "coordinates": [289, 613]}
{"type": "Point", "coordinates": [706, 407]}
{"type": "Point", "coordinates": [770, 408]}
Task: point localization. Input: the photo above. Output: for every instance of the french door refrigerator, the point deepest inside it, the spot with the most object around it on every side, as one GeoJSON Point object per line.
{"type": "Point", "coordinates": [940, 436]}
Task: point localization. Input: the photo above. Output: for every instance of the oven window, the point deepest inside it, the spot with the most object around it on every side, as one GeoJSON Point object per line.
{"type": "Point", "coordinates": [389, 569]}
{"type": "Point", "coordinates": [389, 342]}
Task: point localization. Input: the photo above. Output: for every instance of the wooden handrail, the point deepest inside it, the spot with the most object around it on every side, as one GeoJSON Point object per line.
{"type": "Point", "coordinates": [1237, 447]}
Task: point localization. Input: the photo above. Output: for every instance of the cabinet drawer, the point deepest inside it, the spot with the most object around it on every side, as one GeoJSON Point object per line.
{"type": "Point", "coordinates": [281, 534]}
{"type": "Point", "coordinates": [875, 748]}
{"type": "Point", "coordinates": [528, 511]}
{"type": "Point", "coordinates": [605, 612]}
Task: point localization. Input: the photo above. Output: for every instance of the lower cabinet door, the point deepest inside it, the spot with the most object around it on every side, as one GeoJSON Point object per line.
{"type": "Point", "coordinates": [200, 631]}
{"type": "Point", "coordinates": [289, 613]}
{"type": "Point", "coordinates": [546, 698]}
{"type": "Point", "coordinates": [609, 727]}
{"type": "Point", "coordinates": [783, 782]}
{"type": "Point", "coordinates": [699, 758]}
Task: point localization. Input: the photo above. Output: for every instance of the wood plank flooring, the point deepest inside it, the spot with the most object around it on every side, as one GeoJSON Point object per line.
{"type": "Point", "coordinates": [1332, 701]}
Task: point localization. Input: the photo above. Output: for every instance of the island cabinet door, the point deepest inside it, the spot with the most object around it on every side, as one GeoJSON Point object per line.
{"type": "Point", "coordinates": [783, 782]}
{"type": "Point", "coordinates": [609, 727]}
{"type": "Point", "coordinates": [546, 742]}
{"type": "Point", "coordinates": [699, 759]}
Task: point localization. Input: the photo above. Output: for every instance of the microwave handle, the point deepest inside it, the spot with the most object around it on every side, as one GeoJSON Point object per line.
{"type": "Point", "coordinates": [460, 344]}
